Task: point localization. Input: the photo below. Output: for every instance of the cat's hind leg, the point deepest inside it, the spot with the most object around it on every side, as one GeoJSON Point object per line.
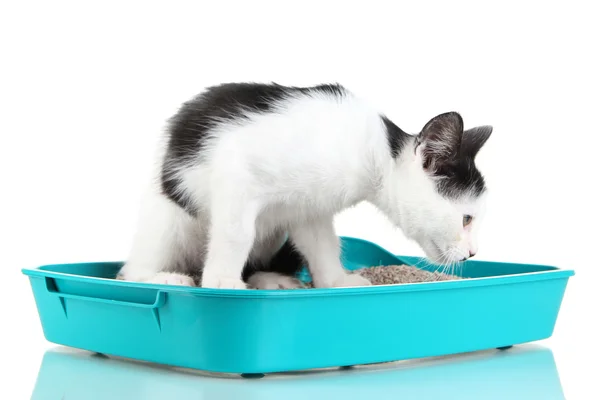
{"type": "Point", "coordinates": [274, 263]}
{"type": "Point", "coordinates": [166, 245]}
{"type": "Point", "coordinates": [273, 280]}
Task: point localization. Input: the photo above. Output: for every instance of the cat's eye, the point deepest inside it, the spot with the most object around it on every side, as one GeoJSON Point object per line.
{"type": "Point", "coordinates": [467, 220]}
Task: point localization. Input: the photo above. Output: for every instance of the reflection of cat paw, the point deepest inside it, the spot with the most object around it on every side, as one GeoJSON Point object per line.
{"type": "Point", "coordinates": [171, 278]}
{"type": "Point", "coordinates": [351, 280]}
{"type": "Point", "coordinates": [273, 280]}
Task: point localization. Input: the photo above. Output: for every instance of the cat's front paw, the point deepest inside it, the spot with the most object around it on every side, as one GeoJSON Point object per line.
{"type": "Point", "coordinates": [222, 282]}
{"type": "Point", "coordinates": [171, 278]}
{"type": "Point", "coordinates": [351, 280]}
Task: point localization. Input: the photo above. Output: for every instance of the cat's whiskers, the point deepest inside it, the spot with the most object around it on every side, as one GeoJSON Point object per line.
{"type": "Point", "coordinates": [445, 258]}
{"type": "Point", "coordinates": [425, 264]}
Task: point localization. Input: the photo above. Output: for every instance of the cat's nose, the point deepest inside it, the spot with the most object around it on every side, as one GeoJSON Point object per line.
{"type": "Point", "coordinates": [472, 253]}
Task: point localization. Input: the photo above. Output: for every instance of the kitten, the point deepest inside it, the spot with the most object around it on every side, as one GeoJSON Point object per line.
{"type": "Point", "coordinates": [250, 177]}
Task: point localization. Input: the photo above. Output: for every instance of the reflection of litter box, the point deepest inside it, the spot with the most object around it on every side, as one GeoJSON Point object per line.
{"type": "Point", "coordinates": [524, 373]}
{"type": "Point", "coordinates": [258, 331]}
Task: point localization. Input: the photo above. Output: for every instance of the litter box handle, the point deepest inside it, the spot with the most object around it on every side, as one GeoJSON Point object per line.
{"type": "Point", "coordinates": [161, 297]}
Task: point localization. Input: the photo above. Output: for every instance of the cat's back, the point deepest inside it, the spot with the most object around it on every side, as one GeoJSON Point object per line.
{"type": "Point", "coordinates": [267, 113]}
{"type": "Point", "coordinates": [287, 142]}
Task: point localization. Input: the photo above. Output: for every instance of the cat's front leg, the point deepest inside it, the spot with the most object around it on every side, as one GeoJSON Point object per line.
{"type": "Point", "coordinates": [231, 237]}
{"type": "Point", "coordinates": [319, 244]}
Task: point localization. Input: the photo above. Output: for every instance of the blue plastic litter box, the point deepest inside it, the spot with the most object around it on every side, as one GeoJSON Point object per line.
{"type": "Point", "coordinates": [263, 331]}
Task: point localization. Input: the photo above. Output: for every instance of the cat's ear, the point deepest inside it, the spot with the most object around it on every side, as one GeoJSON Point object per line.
{"type": "Point", "coordinates": [440, 141]}
{"type": "Point", "coordinates": [473, 140]}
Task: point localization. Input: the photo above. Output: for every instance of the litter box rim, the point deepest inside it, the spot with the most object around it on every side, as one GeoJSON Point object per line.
{"type": "Point", "coordinates": [546, 272]}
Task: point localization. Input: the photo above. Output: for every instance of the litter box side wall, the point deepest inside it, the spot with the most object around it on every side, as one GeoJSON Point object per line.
{"type": "Point", "coordinates": [384, 327]}
{"type": "Point", "coordinates": [270, 333]}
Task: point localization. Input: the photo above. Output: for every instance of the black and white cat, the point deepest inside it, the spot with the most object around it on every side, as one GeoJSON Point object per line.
{"type": "Point", "coordinates": [250, 177]}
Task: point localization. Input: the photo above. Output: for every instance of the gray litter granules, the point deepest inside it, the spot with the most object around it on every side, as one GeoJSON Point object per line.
{"type": "Point", "coordinates": [399, 274]}
{"type": "Point", "coordinates": [395, 274]}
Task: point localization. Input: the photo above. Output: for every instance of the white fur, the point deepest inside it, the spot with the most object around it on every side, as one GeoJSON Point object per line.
{"type": "Point", "coordinates": [171, 278]}
{"type": "Point", "coordinates": [292, 171]}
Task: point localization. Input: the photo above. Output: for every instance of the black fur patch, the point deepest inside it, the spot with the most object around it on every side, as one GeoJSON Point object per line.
{"type": "Point", "coordinates": [449, 154]}
{"type": "Point", "coordinates": [458, 178]}
{"type": "Point", "coordinates": [397, 138]}
{"type": "Point", "coordinates": [287, 261]}
{"type": "Point", "coordinates": [335, 89]}
{"type": "Point", "coordinates": [190, 127]}
{"type": "Point", "coordinates": [171, 187]}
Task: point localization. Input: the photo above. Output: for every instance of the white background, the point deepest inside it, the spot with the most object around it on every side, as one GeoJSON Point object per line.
{"type": "Point", "coordinates": [85, 89]}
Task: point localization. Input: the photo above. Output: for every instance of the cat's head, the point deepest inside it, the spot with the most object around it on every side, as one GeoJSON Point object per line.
{"type": "Point", "coordinates": [442, 194]}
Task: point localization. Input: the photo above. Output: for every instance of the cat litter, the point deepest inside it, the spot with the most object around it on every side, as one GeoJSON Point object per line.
{"type": "Point", "coordinates": [400, 274]}
{"type": "Point", "coordinates": [396, 274]}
